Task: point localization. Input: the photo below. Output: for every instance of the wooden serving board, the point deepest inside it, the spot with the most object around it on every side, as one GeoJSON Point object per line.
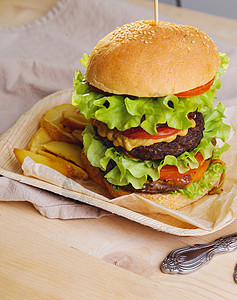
{"type": "Point", "coordinates": [19, 136]}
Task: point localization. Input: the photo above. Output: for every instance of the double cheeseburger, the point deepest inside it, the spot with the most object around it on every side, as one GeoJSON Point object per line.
{"type": "Point", "coordinates": [148, 92]}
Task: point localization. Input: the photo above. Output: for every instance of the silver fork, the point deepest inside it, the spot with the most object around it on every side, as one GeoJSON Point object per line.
{"type": "Point", "coordinates": [189, 259]}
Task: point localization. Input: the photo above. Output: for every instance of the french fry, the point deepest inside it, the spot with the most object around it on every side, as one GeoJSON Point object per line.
{"type": "Point", "coordinates": [68, 151]}
{"type": "Point", "coordinates": [79, 173]}
{"type": "Point", "coordinates": [40, 137]}
{"type": "Point", "coordinates": [55, 114]}
{"type": "Point", "coordinates": [64, 168]}
{"type": "Point", "coordinates": [57, 133]}
{"type": "Point", "coordinates": [74, 120]}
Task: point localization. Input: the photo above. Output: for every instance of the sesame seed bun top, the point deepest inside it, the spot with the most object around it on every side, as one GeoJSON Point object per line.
{"type": "Point", "coordinates": [146, 59]}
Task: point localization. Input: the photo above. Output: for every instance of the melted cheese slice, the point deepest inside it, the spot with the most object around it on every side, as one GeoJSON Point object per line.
{"type": "Point", "coordinates": [120, 140]}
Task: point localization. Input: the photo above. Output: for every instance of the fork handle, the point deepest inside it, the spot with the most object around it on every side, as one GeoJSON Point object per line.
{"type": "Point", "coordinates": [189, 259]}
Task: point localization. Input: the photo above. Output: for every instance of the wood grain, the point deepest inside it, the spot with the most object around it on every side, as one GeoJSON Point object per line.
{"type": "Point", "coordinates": [17, 12]}
{"type": "Point", "coordinates": [47, 258]}
{"type": "Point", "coordinates": [36, 266]}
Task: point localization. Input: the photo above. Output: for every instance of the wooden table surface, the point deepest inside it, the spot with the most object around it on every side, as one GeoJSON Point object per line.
{"type": "Point", "coordinates": [54, 259]}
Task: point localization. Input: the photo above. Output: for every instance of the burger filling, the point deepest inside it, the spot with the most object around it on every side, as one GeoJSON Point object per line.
{"type": "Point", "coordinates": [122, 138]}
{"type": "Point", "coordinates": [183, 163]}
{"type": "Point", "coordinates": [179, 145]}
{"type": "Point", "coordinates": [154, 149]}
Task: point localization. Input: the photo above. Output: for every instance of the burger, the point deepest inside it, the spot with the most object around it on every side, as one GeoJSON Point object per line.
{"type": "Point", "coordinates": [149, 91]}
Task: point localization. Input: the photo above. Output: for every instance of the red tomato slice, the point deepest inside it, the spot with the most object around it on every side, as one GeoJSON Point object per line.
{"type": "Point", "coordinates": [197, 91]}
{"type": "Point", "coordinates": [198, 174]}
{"type": "Point", "coordinates": [170, 172]}
{"type": "Point", "coordinates": [139, 133]}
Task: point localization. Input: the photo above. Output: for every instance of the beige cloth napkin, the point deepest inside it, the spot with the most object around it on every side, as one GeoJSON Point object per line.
{"type": "Point", "coordinates": [41, 57]}
{"type": "Point", "coordinates": [48, 204]}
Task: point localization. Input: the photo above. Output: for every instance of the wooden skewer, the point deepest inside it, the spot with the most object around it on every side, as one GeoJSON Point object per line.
{"type": "Point", "coordinates": [156, 11]}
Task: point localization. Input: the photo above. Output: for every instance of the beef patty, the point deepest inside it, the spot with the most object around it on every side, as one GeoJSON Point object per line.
{"type": "Point", "coordinates": [161, 186]}
{"type": "Point", "coordinates": [154, 187]}
{"type": "Point", "coordinates": [178, 146]}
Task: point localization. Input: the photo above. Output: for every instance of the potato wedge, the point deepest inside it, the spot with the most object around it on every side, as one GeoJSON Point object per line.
{"type": "Point", "coordinates": [40, 137]}
{"type": "Point", "coordinates": [74, 120]}
{"type": "Point", "coordinates": [68, 151]}
{"type": "Point", "coordinates": [79, 173]}
{"type": "Point", "coordinates": [54, 145]}
{"type": "Point", "coordinates": [64, 168]}
{"type": "Point", "coordinates": [55, 114]}
{"type": "Point", "coordinates": [57, 133]}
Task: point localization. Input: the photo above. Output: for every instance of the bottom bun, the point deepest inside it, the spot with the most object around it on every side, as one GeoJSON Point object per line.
{"type": "Point", "coordinates": [167, 200]}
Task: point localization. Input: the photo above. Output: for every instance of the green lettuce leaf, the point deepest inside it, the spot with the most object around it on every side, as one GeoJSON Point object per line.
{"type": "Point", "coordinates": [84, 59]}
{"type": "Point", "coordinates": [198, 188]}
{"type": "Point", "coordinates": [125, 112]}
{"type": "Point", "coordinates": [137, 172]}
